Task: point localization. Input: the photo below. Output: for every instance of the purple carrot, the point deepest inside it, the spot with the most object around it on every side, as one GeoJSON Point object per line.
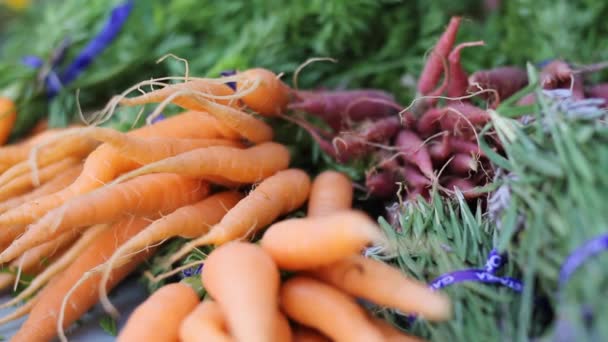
{"type": "Point", "coordinates": [440, 151]}
{"type": "Point", "coordinates": [413, 150]}
{"type": "Point", "coordinates": [381, 184]}
{"type": "Point", "coordinates": [413, 178]}
{"type": "Point", "coordinates": [428, 123]}
{"type": "Point", "coordinates": [559, 75]}
{"type": "Point", "coordinates": [338, 106]}
{"type": "Point", "coordinates": [458, 145]}
{"type": "Point", "coordinates": [599, 91]}
{"type": "Point", "coordinates": [457, 80]}
{"type": "Point", "coordinates": [462, 164]}
{"type": "Point", "coordinates": [431, 74]}
{"type": "Point", "coordinates": [465, 186]}
{"type": "Point", "coordinates": [463, 118]}
{"type": "Point", "coordinates": [506, 81]}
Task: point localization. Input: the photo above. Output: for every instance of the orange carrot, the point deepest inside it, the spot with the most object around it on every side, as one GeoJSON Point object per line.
{"type": "Point", "coordinates": [244, 281]}
{"type": "Point", "coordinates": [283, 330]}
{"type": "Point", "coordinates": [305, 243]}
{"type": "Point", "coordinates": [23, 183]}
{"type": "Point", "coordinates": [104, 164]}
{"type": "Point", "coordinates": [54, 185]}
{"type": "Point", "coordinates": [188, 222]}
{"type": "Point", "coordinates": [390, 333]}
{"type": "Point", "coordinates": [151, 149]}
{"type": "Point", "coordinates": [331, 191]}
{"type": "Point", "coordinates": [43, 319]}
{"type": "Point", "coordinates": [384, 285]}
{"type": "Point", "coordinates": [206, 323]}
{"type": "Point", "coordinates": [234, 164]}
{"type": "Point", "coordinates": [146, 195]}
{"type": "Point", "coordinates": [275, 196]}
{"type": "Point", "coordinates": [206, 86]}
{"type": "Point", "coordinates": [8, 115]}
{"type": "Point", "coordinates": [304, 334]}
{"type": "Point", "coordinates": [270, 98]}
{"type": "Point", "coordinates": [312, 303]}
{"type": "Point", "coordinates": [160, 316]}
{"type": "Point", "coordinates": [75, 147]}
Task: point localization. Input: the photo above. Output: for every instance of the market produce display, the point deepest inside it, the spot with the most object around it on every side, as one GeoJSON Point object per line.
{"type": "Point", "coordinates": [449, 191]}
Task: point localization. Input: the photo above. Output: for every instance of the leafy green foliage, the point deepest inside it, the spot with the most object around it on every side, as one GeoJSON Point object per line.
{"type": "Point", "coordinates": [108, 324]}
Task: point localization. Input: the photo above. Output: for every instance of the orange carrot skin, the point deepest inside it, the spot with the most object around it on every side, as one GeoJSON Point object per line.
{"type": "Point", "coordinates": [146, 195]}
{"type": "Point", "coordinates": [234, 164]}
{"type": "Point", "coordinates": [315, 304]}
{"type": "Point", "coordinates": [244, 281]}
{"type": "Point", "coordinates": [306, 243]}
{"type": "Point", "coordinates": [384, 285]}
{"type": "Point", "coordinates": [158, 319]}
{"type": "Point", "coordinates": [185, 101]}
{"type": "Point", "coordinates": [275, 196]}
{"type": "Point", "coordinates": [206, 323]}
{"type": "Point", "coordinates": [104, 164]}
{"type": "Point", "coordinates": [42, 321]}
{"type": "Point", "coordinates": [270, 98]}
{"type": "Point", "coordinates": [8, 115]}
{"type": "Point", "coordinates": [331, 191]}
{"type": "Point", "coordinates": [283, 330]}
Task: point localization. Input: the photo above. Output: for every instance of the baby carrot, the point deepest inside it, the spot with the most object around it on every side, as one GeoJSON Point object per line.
{"type": "Point", "coordinates": [244, 281]}
{"type": "Point", "coordinates": [159, 317]}
{"type": "Point", "coordinates": [335, 314]}
{"type": "Point", "coordinates": [331, 191]}
{"type": "Point", "coordinates": [271, 96]}
{"type": "Point", "coordinates": [384, 285]}
{"type": "Point", "coordinates": [305, 243]}
{"type": "Point", "coordinates": [42, 322]}
{"type": "Point", "coordinates": [234, 164]}
{"type": "Point", "coordinates": [205, 323]}
{"type": "Point", "coordinates": [275, 196]}
{"type": "Point", "coordinates": [146, 195]}
{"type": "Point", "coordinates": [8, 115]}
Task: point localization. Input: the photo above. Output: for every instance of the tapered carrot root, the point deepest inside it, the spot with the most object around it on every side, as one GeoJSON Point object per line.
{"type": "Point", "coordinates": [414, 151]}
{"type": "Point", "coordinates": [431, 74]}
{"type": "Point", "coordinates": [188, 222]}
{"type": "Point", "coordinates": [46, 315]}
{"type": "Point", "coordinates": [75, 147]}
{"type": "Point", "coordinates": [210, 87]}
{"type": "Point", "coordinates": [314, 304]}
{"type": "Point", "coordinates": [305, 243]}
{"type": "Point", "coordinates": [249, 165]}
{"type": "Point", "coordinates": [146, 195]}
{"type": "Point", "coordinates": [23, 183]}
{"type": "Point", "coordinates": [20, 311]}
{"type": "Point", "coordinates": [463, 119]}
{"type": "Point", "coordinates": [270, 97]}
{"type": "Point", "coordinates": [303, 334]}
{"type": "Point", "coordinates": [61, 181]}
{"type": "Point", "coordinates": [58, 265]}
{"type": "Point", "coordinates": [384, 285]}
{"type": "Point", "coordinates": [463, 164]}
{"type": "Point", "coordinates": [147, 150]}
{"type": "Point", "coordinates": [275, 196]}
{"type": "Point", "coordinates": [205, 323]}
{"type": "Point", "coordinates": [8, 116]}
{"type": "Point", "coordinates": [104, 164]}
{"type": "Point", "coordinates": [506, 81]}
{"type": "Point", "coordinates": [164, 310]}
{"type": "Point", "coordinates": [331, 191]}
{"type": "Point", "coordinates": [458, 81]}
{"type": "Point", "coordinates": [244, 281]}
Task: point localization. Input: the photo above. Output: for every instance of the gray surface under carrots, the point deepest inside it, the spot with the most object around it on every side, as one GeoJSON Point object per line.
{"type": "Point", "coordinates": [125, 298]}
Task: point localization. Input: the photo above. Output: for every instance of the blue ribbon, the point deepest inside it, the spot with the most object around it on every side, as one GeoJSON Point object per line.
{"type": "Point", "coordinates": [54, 81]}
{"type": "Point", "coordinates": [229, 73]}
{"type": "Point", "coordinates": [580, 255]}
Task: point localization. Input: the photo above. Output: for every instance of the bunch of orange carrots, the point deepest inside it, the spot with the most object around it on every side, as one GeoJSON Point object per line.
{"type": "Point", "coordinates": [82, 207]}
{"type": "Point", "coordinates": [248, 301]}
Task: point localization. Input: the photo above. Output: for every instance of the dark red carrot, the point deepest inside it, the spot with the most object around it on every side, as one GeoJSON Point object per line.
{"type": "Point", "coordinates": [458, 81]}
{"type": "Point", "coordinates": [462, 164]}
{"type": "Point", "coordinates": [465, 186]}
{"type": "Point", "coordinates": [337, 107]}
{"type": "Point", "coordinates": [458, 145]}
{"type": "Point", "coordinates": [414, 151]}
{"type": "Point", "coordinates": [461, 119]}
{"type": "Point", "coordinates": [381, 184]}
{"type": "Point", "coordinates": [431, 74]}
{"type": "Point", "coordinates": [414, 179]}
{"type": "Point", "coordinates": [506, 81]}
{"type": "Point", "coordinates": [559, 75]}
{"type": "Point", "coordinates": [428, 123]}
{"type": "Point", "coordinates": [599, 91]}
{"type": "Point", "coordinates": [440, 150]}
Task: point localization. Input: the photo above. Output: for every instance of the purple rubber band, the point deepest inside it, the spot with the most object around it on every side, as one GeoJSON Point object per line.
{"type": "Point", "coordinates": [160, 117]}
{"type": "Point", "coordinates": [580, 255]}
{"type": "Point", "coordinates": [495, 261]}
{"type": "Point", "coordinates": [229, 73]}
{"type": "Point", "coordinates": [192, 271]}
{"type": "Point", "coordinates": [53, 81]}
